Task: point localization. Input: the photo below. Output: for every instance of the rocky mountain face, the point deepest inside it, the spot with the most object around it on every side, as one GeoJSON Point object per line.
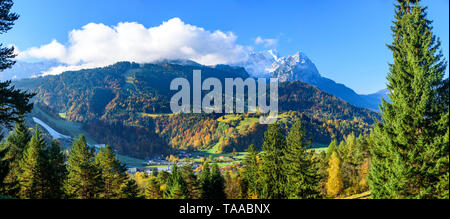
{"type": "Point", "coordinates": [299, 67]}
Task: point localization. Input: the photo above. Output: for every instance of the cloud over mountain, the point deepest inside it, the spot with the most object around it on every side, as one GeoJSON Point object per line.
{"type": "Point", "coordinates": [96, 45]}
{"type": "Point", "coordinates": [266, 42]}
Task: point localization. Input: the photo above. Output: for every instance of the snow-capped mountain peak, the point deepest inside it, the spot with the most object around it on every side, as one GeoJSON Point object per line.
{"type": "Point", "coordinates": [269, 63]}
{"type": "Point", "coordinates": [274, 54]}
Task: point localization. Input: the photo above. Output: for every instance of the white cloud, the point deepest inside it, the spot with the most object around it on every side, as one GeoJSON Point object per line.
{"type": "Point", "coordinates": [96, 45]}
{"type": "Point", "coordinates": [53, 50]}
{"type": "Point", "coordinates": [267, 42]}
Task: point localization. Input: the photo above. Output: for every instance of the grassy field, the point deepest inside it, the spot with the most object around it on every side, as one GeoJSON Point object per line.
{"type": "Point", "coordinates": [63, 126]}
{"type": "Point", "coordinates": [319, 148]}
{"type": "Point", "coordinates": [63, 115]}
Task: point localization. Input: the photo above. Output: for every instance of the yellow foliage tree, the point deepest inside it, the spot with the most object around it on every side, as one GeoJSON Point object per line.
{"type": "Point", "coordinates": [365, 167]}
{"type": "Point", "coordinates": [334, 184]}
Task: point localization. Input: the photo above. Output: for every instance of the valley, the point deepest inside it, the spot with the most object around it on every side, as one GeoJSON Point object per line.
{"type": "Point", "coordinates": [126, 105]}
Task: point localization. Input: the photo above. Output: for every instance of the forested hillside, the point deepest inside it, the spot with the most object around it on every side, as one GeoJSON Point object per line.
{"type": "Point", "coordinates": [127, 105]}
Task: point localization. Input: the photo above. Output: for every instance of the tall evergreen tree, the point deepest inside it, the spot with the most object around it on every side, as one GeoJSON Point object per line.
{"type": "Point", "coordinates": [56, 171]}
{"type": "Point", "coordinates": [33, 168]}
{"type": "Point", "coordinates": [322, 167]}
{"type": "Point", "coordinates": [272, 177]}
{"type": "Point", "coordinates": [4, 167]}
{"type": "Point", "coordinates": [113, 172]}
{"type": "Point", "coordinates": [301, 172]}
{"type": "Point", "coordinates": [84, 179]}
{"type": "Point", "coordinates": [410, 155]}
{"type": "Point", "coordinates": [8, 19]}
{"type": "Point", "coordinates": [191, 181]}
{"type": "Point", "coordinates": [233, 185]}
{"type": "Point", "coordinates": [129, 190]}
{"type": "Point", "coordinates": [250, 173]}
{"type": "Point", "coordinates": [333, 147]}
{"type": "Point", "coordinates": [205, 182]}
{"type": "Point", "coordinates": [14, 148]}
{"type": "Point", "coordinates": [217, 181]}
{"type": "Point", "coordinates": [13, 103]}
{"type": "Point", "coordinates": [177, 186]}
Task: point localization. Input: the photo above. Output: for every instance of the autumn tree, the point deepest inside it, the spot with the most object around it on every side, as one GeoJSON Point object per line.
{"type": "Point", "coordinates": [233, 185]}
{"type": "Point", "coordinates": [153, 189]}
{"type": "Point", "coordinates": [334, 184]}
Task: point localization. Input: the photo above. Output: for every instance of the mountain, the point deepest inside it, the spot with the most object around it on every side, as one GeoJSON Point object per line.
{"type": "Point", "coordinates": [299, 67]}
{"type": "Point", "coordinates": [377, 97]}
{"type": "Point", "coordinates": [260, 64]}
{"type": "Point", "coordinates": [23, 70]}
{"type": "Point", "coordinates": [268, 63]}
{"type": "Point", "coordinates": [126, 105]}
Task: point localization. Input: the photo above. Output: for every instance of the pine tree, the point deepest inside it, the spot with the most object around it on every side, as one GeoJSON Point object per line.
{"type": "Point", "coordinates": [33, 166]}
{"type": "Point", "coordinates": [205, 182]}
{"type": "Point", "coordinates": [410, 155]}
{"type": "Point", "coordinates": [351, 157]}
{"type": "Point", "coordinates": [250, 173]}
{"type": "Point", "coordinates": [176, 192]}
{"type": "Point", "coordinates": [322, 167]}
{"type": "Point", "coordinates": [153, 189]}
{"type": "Point", "coordinates": [217, 181]}
{"type": "Point", "coordinates": [273, 179]}
{"type": "Point", "coordinates": [191, 181]}
{"type": "Point", "coordinates": [84, 179]}
{"type": "Point", "coordinates": [334, 184]}
{"type": "Point", "coordinates": [14, 148]}
{"type": "Point", "coordinates": [113, 172]}
{"type": "Point", "coordinates": [129, 190]}
{"type": "Point", "coordinates": [177, 187]}
{"type": "Point", "coordinates": [8, 19]}
{"type": "Point", "coordinates": [13, 103]}
{"type": "Point", "coordinates": [333, 147]}
{"type": "Point", "coordinates": [56, 171]}
{"type": "Point", "coordinates": [233, 185]}
{"type": "Point", "coordinates": [4, 167]}
{"type": "Point", "coordinates": [301, 172]}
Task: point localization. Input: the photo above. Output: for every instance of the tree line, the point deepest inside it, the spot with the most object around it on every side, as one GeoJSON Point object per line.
{"type": "Point", "coordinates": [38, 170]}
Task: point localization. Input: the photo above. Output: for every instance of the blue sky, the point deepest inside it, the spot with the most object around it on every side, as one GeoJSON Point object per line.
{"type": "Point", "coordinates": [345, 39]}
